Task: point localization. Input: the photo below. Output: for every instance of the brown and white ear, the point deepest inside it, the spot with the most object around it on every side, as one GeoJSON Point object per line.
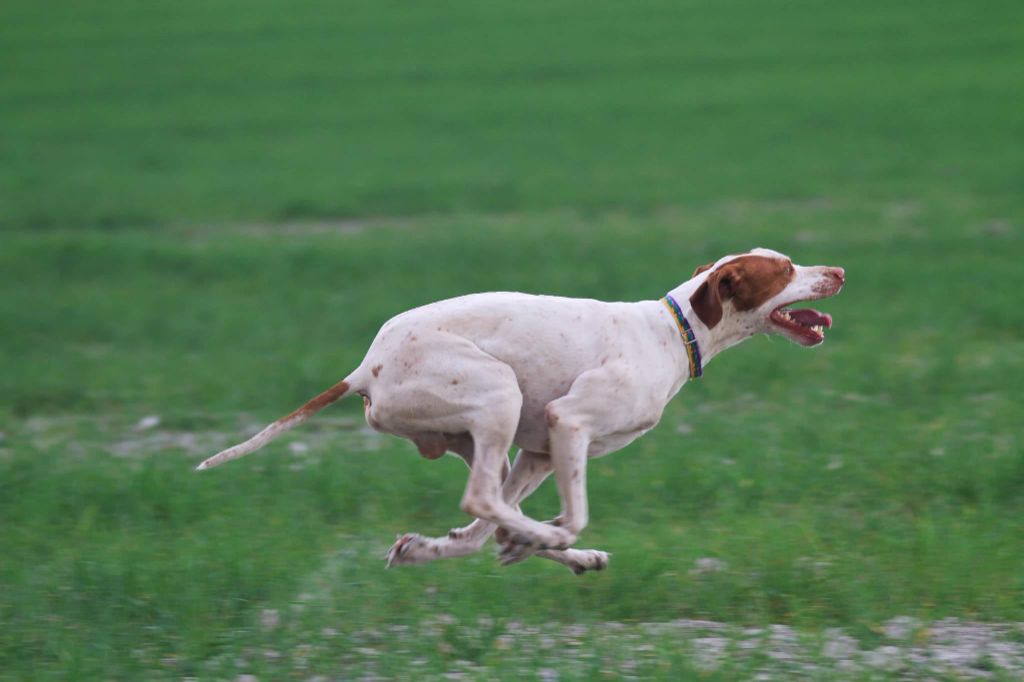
{"type": "Point", "coordinates": [707, 300]}
{"type": "Point", "coordinates": [702, 268]}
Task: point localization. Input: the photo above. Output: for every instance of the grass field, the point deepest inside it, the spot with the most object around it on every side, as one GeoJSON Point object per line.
{"type": "Point", "coordinates": [208, 209]}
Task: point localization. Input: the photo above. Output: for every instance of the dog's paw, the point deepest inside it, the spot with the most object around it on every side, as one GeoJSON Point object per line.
{"type": "Point", "coordinates": [406, 550]}
{"type": "Point", "coordinates": [512, 552]}
{"type": "Point", "coordinates": [554, 536]}
{"type": "Point", "coordinates": [579, 561]}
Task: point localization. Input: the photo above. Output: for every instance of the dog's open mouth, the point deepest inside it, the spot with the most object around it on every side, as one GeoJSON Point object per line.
{"type": "Point", "coordinates": [806, 326]}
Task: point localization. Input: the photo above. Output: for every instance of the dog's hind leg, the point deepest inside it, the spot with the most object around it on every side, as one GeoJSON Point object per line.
{"type": "Point", "coordinates": [413, 548]}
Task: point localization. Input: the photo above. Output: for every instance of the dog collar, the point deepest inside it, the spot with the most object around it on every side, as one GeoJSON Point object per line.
{"type": "Point", "coordinates": [686, 332]}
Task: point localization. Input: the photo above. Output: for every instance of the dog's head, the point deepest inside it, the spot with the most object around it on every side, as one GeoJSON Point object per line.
{"type": "Point", "coordinates": [752, 292]}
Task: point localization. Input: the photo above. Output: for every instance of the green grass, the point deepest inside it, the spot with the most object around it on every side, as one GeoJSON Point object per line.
{"type": "Point", "coordinates": [208, 209]}
{"type": "Point", "coordinates": [120, 114]}
{"type": "Point", "coordinates": [889, 456]}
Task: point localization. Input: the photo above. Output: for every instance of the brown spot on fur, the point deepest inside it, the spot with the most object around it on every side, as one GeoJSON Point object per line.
{"type": "Point", "coordinates": [748, 281]}
{"type": "Point", "coordinates": [455, 382]}
{"type": "Point", "coordinates": [550, 417]}
{"type": "Point", "coordinates": [334, 393]}
{"type": "Point", "coordinates": [376, 370]}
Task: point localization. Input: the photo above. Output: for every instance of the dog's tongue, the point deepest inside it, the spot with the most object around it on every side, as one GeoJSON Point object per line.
{"type": "Point", "coordinates": [809, 317]}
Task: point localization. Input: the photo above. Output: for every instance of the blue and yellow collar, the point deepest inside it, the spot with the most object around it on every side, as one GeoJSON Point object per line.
{"type": "Point", "coordinates": [689, 338]}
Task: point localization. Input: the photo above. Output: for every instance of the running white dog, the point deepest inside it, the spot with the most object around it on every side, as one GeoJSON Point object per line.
{"type": "Point", "coordinates": [563, 379]}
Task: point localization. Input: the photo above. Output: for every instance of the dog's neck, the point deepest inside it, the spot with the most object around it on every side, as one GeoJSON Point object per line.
{"type": "Point", "coordinates": [687, 336]}
{"type": "Point", "coordinates": [710, 341]}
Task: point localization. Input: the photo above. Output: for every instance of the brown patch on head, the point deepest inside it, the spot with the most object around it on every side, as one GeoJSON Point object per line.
{"type": "Point", "coordinates": [376, 370]}
{"type": "Point", "coordinates": [702, 268]}
{"type": "Point", "coordinates": [748, 281]}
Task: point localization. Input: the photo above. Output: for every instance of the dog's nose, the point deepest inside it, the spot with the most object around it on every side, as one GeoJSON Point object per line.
{"type": "Point", "coordinates": [838, 273]}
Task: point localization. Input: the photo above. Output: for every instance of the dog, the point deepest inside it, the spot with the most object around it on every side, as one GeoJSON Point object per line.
{"type": "Point", "coordinates": [563, 379]}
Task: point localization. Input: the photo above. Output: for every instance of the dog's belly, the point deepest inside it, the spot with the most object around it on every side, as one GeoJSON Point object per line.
{"type": "Point", "coordinates": [532, 435]}
{"type": "Point", "coordinates": [612, 442]}
{"type": "Point", "coordinates": [536, 440]}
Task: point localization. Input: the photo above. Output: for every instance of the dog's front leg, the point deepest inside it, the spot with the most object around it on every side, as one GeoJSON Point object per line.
{"type": "Point", "coordinates": [578, 561]}
{"type": "Point", "coordinates": [527, 472]}
{"type": "Point", "coordinates": [484, 499]}
{"type": "Point", "coordinates": [568, 440]}
{"type": "Point", "coordinates": [569, 443]}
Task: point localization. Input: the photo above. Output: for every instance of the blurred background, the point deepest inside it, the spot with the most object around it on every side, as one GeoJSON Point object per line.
{"type": "Point", "coordinates": [207, 209]}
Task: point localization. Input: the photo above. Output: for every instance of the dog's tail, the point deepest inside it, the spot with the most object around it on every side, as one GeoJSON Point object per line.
{"type": "Point", "coordinates": [331, 395]}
